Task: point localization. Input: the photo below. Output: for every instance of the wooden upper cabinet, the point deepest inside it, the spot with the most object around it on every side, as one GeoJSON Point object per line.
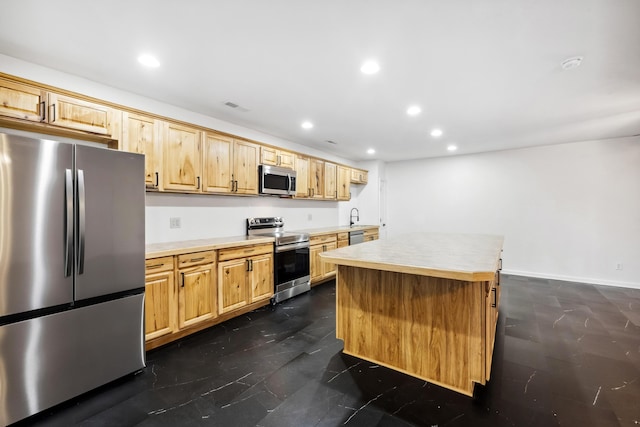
{"type": "Point", "coordinates": [276, 157]}
{"type": "Point", "coordinates": [302, 177]}
{"type": "Point", "coordinates": [77, 114]}
{"type": "Point", "coordinates": [218, 162]}
{"type": "Point", "coordinates": [22, 101]}
{"type": "Point", "coordinates": [141, 134]}
{"type": "Point", "coordinates": [182, 158]}
{"type": "Point", "coordinates": [245, 166]}
{"type": "Point", "coordinates": [230, 165]}
{"type": "Point", "coordinates": [343, 183]}
{"type": "Point", "coordinates": [316, 178]}
{"type": "Point", "coordinates": [359, 176]}
{"type": "Point", "coordinates": [330, 187]}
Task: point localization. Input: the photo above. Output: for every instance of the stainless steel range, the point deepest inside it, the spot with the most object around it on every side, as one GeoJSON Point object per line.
{"type": "Point", "coordinates": [291, 275]}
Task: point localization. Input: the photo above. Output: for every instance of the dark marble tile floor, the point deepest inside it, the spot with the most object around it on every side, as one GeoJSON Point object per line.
{"type": "Point", "coordinates": [566, 354]}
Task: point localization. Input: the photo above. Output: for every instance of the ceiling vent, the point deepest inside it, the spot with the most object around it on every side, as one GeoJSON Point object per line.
{"type": "Point", "coordinates": [571, 63]}
{"type": "Point", "coordinates": [235, 106]}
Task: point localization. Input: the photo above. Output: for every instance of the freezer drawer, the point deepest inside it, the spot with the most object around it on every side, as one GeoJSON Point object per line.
{"type": "Point", "coordinates": [50, 359]}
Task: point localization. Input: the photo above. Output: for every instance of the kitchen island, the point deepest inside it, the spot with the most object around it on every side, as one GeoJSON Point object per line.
{"type": "Point", "coordinates": [424, 304]}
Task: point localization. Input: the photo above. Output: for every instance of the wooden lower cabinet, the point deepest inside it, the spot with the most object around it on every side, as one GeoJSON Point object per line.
{"type": "Point", "coordinates": [343, 240]}
{"type": "Point", "coordinates": [371, 234]}
{"type": "Point", "coordinates": [196, 294]}
{"type": "Point", "coordinates": [320, 270]}
{"type": "Point", "coordinates": [245, 279]}
{"type": "Point", "coordinates": [160, 298]}
{"type": "Point", "coordinates": [189, 292]}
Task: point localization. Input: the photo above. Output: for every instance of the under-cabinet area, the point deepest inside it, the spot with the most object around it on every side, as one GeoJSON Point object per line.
{"type": "Point", "coordinates": [193, 285]}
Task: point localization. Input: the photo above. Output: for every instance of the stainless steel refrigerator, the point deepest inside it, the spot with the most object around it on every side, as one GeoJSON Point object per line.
{"type": "Point", "coordinates": [71, 271]}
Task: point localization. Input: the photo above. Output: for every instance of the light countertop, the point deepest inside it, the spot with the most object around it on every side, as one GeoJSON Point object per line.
{"type": "Point", "coordinates": [469, 257]}
{"type": "Point", "coordinates": [336, 229]}
{"type": "Point", "coordinates": [156, 250]}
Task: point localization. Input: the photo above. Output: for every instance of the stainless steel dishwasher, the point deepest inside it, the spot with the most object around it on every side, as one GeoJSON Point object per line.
{"type": "Point", "coordinates": [356, 236]}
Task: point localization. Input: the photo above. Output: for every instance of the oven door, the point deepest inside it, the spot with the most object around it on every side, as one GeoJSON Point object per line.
{"type": "Point", "coordinates": [291, 265]}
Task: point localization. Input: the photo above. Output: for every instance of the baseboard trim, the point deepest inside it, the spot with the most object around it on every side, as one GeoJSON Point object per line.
{"type": "Point", "coordinates": [589, 280]}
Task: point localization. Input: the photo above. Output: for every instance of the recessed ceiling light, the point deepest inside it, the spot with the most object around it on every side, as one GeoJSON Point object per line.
{"type": "Point", "coordinates": [148, 60]}
{"type": "Point", "coordinates": [414, 110]}
{"type": "Point", "coordinates": [307, 125]}
{"type": "Point", "coordinates": [436, 133]}
{"type": "Point", "coordinates": [452, 148]}
{"type": "Point", "coordinates": [571, 63]}
{"type": "Point", "coordinates": [370, 67]}
{"type": "Point", "coordinates": [371, 151]}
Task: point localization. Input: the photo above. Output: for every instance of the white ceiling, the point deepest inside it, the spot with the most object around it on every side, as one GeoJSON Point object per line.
{"type": "Point", "coordinates": [487, 72]}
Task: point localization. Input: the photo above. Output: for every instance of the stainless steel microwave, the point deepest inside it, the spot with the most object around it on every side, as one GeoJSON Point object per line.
{"type": "Point", "coordinates": [276, 180]}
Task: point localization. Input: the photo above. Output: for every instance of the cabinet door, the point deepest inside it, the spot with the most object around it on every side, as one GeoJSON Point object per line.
{"type": "Point", "coordinates": [140, 134]}
{"type": "Point", "coordinates": [330, 188]}
{"type": "Point", "coordinates": [316, 178]}
{"type": "Point", "coordinates": [22, 101]}
{"type": "Point", "coordinates": [261, 277]}
{"type": "Point", "coordinates": [286, 159]}
{"type": "Point", "coordinates": [196, 296]}
{"type": "Point", "coordinates": [232, 284]}
{"type": "Point", "coordinates": [218, 160]}
{"type": "Point", "coordinates": [491, 318]}
{"type": "Point", "coordinates": [245, 167]}
{"type": "Point", "coordinates": [159, 305]}
{"type": "Point", "coordinates": [344, 181]}
{"type": "Point", "coordinates": [302, 177]}
{"type": "Point", "coordinates": [78, 114]}
{"type": "Point", "coordinates": [268, 156]}
{"type": "Point", "coordinates": [315, 262]}
{"type": "Point", "coordinates": [327, 267]}
{"type": "Point", "coordinates": [182, 158]}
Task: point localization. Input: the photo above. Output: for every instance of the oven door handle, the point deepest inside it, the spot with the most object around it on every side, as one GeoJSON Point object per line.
{"type": "Point", "coordinates": [287, 248]}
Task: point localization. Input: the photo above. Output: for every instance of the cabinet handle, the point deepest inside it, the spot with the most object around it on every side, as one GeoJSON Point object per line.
{"type": "Point", "coordinates": [182, 274]}
{"type": "Point", "coordinates": [42, 111]}
{"type": "Point", "coordinates": [198, 187]}
{"type": "Point", "coordinates": [278, 160]}
{"type": "Point", "coordinates": [236, 190]}
{"type": "Point", "coordinates": [495, 297]}
{"type": "Point", "coordinates": [53, 108]}
{"type": "Point", "coordinates": [197, 259]}
{"type": "Point", "coordinates": [250, 265]}
{"type": "Point", "coordinates": [154, 266]}
{"type": "Point", "coordinates": [157, 179]}
{"type": "Point", "coordinates": [500, 265]}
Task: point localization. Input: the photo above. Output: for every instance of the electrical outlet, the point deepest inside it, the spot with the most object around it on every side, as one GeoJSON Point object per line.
{"type": "Point", "coordinates": [619, 266]}
{"type": "Point", "coordinates": [310, 217]}
{"type": "Point", "coordinates": [175, 222]}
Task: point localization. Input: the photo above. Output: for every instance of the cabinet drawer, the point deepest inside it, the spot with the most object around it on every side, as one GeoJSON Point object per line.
{"type": "Point", "coordinates": [343, 236]}
{"type": "Point", "coordinates": [244, 251]}
{"type": "Point", "coordinates": [196, 258]}
{"type": "Point", "coordinates": [326, 238]}
{"type": "Point", "coordinates": [156, 265]}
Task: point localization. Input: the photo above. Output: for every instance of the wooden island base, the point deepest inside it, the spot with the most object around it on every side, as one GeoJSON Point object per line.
{"type": "Point", "coordinates": [440, 330]}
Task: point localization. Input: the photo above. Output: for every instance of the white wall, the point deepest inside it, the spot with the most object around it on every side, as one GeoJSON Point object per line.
{"type": "Point", "coordinates": [202, 215]}
{"type": "Point", "coordinates": [569, 211]}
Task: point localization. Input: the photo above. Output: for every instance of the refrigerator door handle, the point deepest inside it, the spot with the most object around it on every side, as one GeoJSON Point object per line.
{"type": "Point", "coordinates": [68, 244]}
{"type": "Point", "coordinates": [81, 221]}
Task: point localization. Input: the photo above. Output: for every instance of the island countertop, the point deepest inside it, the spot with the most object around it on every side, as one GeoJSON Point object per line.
{"type": "Point", "coordinates": [469, 257]}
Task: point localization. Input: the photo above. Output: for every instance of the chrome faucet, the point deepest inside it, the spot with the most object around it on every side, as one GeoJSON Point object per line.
{"type": "Point", "coordinates": [351, 222]}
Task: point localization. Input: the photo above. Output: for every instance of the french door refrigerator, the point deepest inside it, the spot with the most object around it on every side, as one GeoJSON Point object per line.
{"type": "Point", "coordinates": [71, 271]}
